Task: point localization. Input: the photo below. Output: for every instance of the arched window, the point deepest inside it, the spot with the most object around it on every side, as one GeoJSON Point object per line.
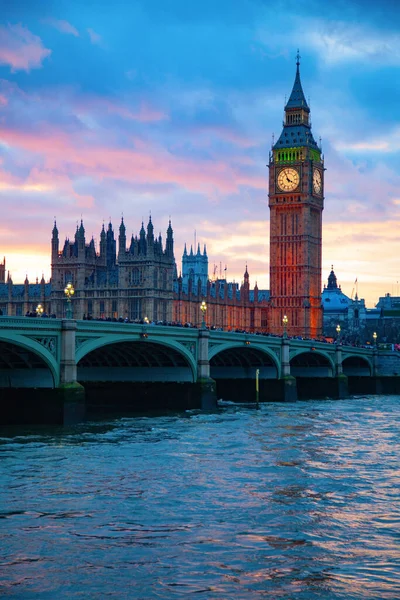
{"type": "Point", "coordinates": [135, 276]}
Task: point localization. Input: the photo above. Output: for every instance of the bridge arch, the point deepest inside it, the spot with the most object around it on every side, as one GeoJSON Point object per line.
{"type": "Point", "coordinates": [311, 363]}
{"type": "Point", "coordinates": [128, 356]}
{"type": "Point", "coordinates": [21, 353]}
{"type": "Point", "coordinates": [356, 365]}
{"type": "Point", "coordinates": [245, 359]}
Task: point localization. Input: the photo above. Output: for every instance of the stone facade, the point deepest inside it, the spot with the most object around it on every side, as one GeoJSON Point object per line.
{"type": "Point", "coordinates": [133, 283]}
{"type": "Point", "coordinates": [229, 306]}
{"type": "Point", "coordinates": [296, 173]}
{"type": "Point", "coordinates": [136, 282]}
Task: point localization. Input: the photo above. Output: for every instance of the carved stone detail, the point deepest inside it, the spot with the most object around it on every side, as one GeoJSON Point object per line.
{"type": "Point", "coordinates": [212, 344]}
{"type": "Point", "coordinates": [50, 343]}
{"type": "Point", "coordinates": [191, 346]}
{"type": "Point", "coordinates": [79, 341]}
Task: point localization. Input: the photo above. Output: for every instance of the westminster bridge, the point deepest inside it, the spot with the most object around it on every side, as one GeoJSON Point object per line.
{"type": "Point", "coordinates": [50, 369]}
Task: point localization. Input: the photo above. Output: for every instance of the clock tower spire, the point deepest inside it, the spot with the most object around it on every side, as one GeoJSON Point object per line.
{"type": "Point", "coordinates": [296, 202]}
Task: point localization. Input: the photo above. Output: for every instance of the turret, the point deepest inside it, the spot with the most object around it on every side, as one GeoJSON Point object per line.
{"type": "Point", "coordinates": [296, 141]}
{"type": "Point", "coordinates": [332, 281]}
{"type": "Point", "coordinates": [103, 248]}
{"type": "Point", "coordinates": [122, 240]}
{"type": "Point", "coordinates": [3, 271]}
{"type": "Point", "coordinates": [80, 240]}
{"type": "Point", "coordinates": [133, 245]}
{"type": "Point", "coordinates": [92, 249]}
{"type": "Point", "coordinates": [246, 286]}
{"type": "Point", "coordinates": [9, 285]}
{"type": "Point", "coordinates": [111, 247]}
{"type": "Point", "coordinates": [42, 288]}
{"type": "Point", "coordinates": [169, 248]}
{"type": "Point", "coordinates": [54, 243]}
{"type": "Point", "coordinates": [150, 237]}
{"type": "Point", "coordinates": [65, 251]}
{"type": "Point", "coordinates": [142, 241]}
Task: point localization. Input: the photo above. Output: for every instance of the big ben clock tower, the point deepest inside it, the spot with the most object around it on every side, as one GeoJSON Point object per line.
{"type": "Point", "coordinates": [296, 202]}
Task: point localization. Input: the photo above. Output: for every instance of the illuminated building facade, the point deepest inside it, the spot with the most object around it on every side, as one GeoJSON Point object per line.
{"type": "Point", "coordinates": [229, 305]}
{"type": "Point", "coordinates": [296, 201]}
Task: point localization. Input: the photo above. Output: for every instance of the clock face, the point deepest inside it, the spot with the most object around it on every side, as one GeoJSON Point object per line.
{"type": "Point", "coordinates": [317, 181]}
{"type": "Point", "coordinates": [288, 179]}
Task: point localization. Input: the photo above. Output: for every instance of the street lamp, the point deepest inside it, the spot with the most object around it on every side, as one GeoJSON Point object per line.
{"type": "Point", "coordinates": [203, 308]}
{"type": "Point", "coordinates": [69, 292]}
{"type": "Point", "coordinates": [338, 330]}
{"type": "Point", "coordinates": [144, 333]}
{"type": "Point", "coordinates": [375, 335]}
{"type": "Point", "coordinates": [39, 310]}
{"type": "Point", "coordinates": [285, 321]}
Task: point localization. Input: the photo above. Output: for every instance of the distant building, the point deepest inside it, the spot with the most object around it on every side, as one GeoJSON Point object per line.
{"type": "Point", "coordinates": [229, 305]}
{"type": "Point", "coordinates": [20, 298]}
{"type": "Point", "coordinates": [352, 315]}
{"type": "Point", "coordinates": [194, 266]}
{"type": "Point", "coordinates": [389, 306]}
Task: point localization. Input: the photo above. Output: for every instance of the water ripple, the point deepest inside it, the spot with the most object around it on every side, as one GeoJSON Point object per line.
{"type": "Point", "coordinates": [293, 501]}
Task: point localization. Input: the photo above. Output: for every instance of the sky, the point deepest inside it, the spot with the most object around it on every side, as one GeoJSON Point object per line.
{"type": "Point", "coordinates": [169, 108]}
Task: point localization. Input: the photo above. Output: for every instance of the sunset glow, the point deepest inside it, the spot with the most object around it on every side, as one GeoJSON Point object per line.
{"type": "Point", "coordinates": [171, 109]}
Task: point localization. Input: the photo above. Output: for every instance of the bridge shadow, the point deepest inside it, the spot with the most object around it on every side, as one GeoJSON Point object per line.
{"type": "Point", "coordinates": [234, 370]}
{"type": "Point", "coordinates": [135, 376]}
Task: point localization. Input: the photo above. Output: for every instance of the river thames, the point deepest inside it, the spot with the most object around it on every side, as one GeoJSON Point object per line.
{"type": "Point", "coordinates": [295, 501]}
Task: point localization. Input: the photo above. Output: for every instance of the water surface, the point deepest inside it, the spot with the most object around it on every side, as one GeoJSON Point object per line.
{"type": "Point", "coordinates": [295, 501]}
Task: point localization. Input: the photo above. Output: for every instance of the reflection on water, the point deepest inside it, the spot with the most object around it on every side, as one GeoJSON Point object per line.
{"type": "Point", "coordinates": [294, 501]}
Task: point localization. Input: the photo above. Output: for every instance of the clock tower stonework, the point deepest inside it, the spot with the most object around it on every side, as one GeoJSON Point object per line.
{"type": "Point", "coordinates": [296, 202]}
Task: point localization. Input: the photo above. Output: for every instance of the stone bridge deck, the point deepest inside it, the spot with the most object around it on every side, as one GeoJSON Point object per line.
{"type": "Point", "coordinates": [61, 354]}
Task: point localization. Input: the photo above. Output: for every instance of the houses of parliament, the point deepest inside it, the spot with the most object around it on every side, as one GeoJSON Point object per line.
{"type": "Point", "coordinates": [138, 278]}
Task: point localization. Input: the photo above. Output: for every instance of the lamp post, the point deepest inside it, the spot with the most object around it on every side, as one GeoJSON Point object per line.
{"type": "Point", "coordinates": [203, 308]}
{"type": "Point", "coordinates": [69, 292]}
{"type": "Point", "coordinates": [39, 310]}
{"type": "Point", "coordinates": [285, 321]}
{"type": "Point", "coordinates": [338, 330]}
{"type": "Point", "coordinates": [144, 333]}
{"type": "Point", "coordinates": [375, 335]}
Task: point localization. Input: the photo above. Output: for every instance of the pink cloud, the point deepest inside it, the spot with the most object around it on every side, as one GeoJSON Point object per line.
{"type": "Point", "coordinates": [3, 100]}
{"type": "Point", "coordinates": [95, 38]}
{"type": "Point", "coordinates": [62, 26]}
{"type": "Point", "coordinates": [20, 48]}
{"type": "Point", "coordinates": [75, 155]}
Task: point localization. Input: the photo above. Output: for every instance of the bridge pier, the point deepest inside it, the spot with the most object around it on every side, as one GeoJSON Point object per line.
{"type": "Point", "coordinates": [289, 383]}
{"type": "Point", "coordinates": [342, 383]}
{"type": "Point", "coordinates": [70, 393]}
{"type": "Point", "coordinates": [206, 387]}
